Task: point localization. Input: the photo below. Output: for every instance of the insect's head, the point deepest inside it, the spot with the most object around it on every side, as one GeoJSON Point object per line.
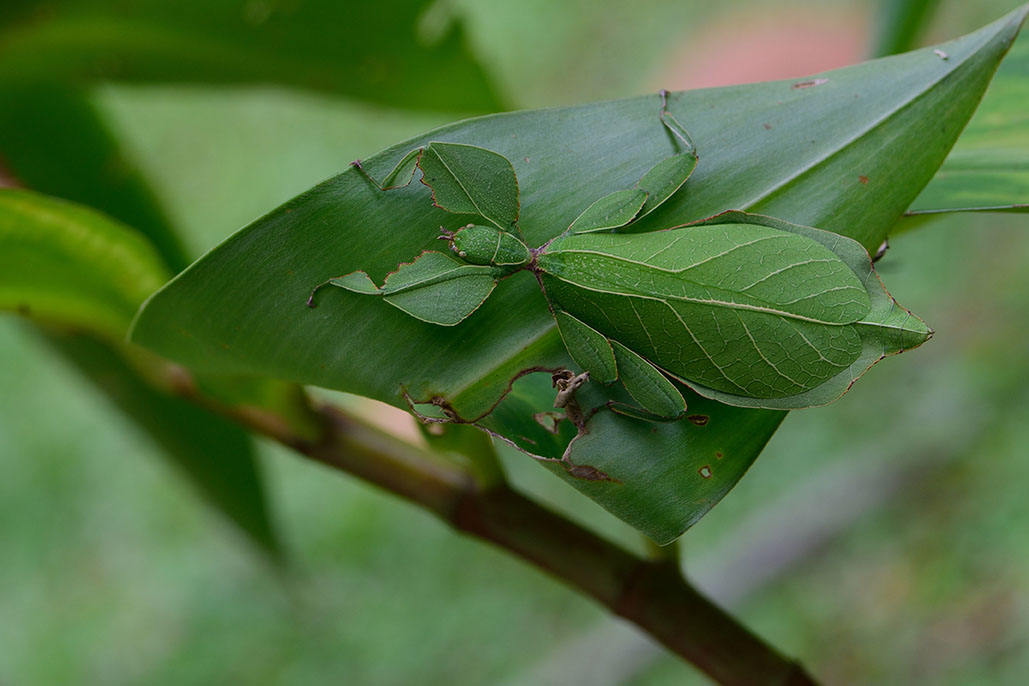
{"type": "Point", "coordinates": [488, 245]}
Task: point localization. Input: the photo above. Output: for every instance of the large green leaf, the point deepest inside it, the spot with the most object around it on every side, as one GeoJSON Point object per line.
{"type": "Point", "coordinates": [988, 169]}
{"type": "Point", "coordinates": [847, 151]}
{"type": "Point", "coordinates": [389, 51]}
{"type": "Point", "coordinates": [71, 267]}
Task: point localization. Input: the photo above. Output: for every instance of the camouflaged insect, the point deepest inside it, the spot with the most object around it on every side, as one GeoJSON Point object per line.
{"type": "Point", "coordinates": [746, 309]}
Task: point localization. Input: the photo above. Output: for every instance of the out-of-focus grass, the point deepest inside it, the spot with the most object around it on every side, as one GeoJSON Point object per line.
{"type": "Point", "coordinates": [111, 573]}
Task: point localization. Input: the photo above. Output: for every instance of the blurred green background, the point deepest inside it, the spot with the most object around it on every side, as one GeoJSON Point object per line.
{"type": "Point", "coordinates": [903, 557]}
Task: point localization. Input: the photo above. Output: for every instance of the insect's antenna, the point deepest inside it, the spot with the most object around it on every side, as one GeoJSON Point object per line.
{"type": "Point", "coordinates": [677, 129]}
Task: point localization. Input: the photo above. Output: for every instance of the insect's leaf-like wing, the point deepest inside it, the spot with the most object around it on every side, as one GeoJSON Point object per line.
{"type": "Point", "coordinates": [467, 179]}
{"type": "Point", "coordinates": [886, 329]}
{"type": "Point", "coordinates": [753, 309]}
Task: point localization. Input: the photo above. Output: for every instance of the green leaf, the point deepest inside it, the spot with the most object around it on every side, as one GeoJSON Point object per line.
{"type": "Point", "coordinates": [988, 169]}
{"type": "Point", "coordinates": [467, 179]}
{"type": "Point", "coordinates": [849, 155]}
{"type": "Point", "coordinates": [64, 264]}
{"type": "Point", "coordinates": [70, 266]}
{"type": "Point", "coordinates": [53, 140]}
{"type": "Point", "coordinates": [384, 52]}
{"type": "Point", "coordinates": [900, 23]}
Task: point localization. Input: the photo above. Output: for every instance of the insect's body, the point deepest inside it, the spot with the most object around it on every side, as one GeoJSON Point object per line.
{"type": "Point", "coordinates": [749, 310]}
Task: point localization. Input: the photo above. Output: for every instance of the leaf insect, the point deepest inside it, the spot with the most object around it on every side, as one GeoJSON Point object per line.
{"type": "Point", "coordinates": [746, 309]}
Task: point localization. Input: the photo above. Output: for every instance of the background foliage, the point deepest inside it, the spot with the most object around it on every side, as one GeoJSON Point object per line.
{"type": "Point", "coordinates": [112, 574]}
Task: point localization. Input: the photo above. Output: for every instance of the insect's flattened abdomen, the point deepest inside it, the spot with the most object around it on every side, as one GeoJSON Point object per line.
{"type": "Point", "coordinates": [741, 352]}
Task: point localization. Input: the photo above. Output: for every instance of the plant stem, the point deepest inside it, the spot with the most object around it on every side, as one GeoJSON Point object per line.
{"type": "Point", "coordinates": [651, 594]}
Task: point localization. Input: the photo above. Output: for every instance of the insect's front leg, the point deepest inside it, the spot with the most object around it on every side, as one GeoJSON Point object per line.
{"type": "Point", "coordinates": [405, 168]}
{"type": "Point", "coordinates": [621, 208]}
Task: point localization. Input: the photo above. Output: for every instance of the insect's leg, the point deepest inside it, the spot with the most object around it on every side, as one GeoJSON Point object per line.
{"type": "Point", "coordinates": [673, 125]}
{"type": "Point", "coordinates": [634, 412]}
{"type": "Point", "coordinates": [404, 170]}
{"type": "Point", "coordinates": [613, 211]}
{"type": "Point", "coordinates": [358, 282]}
{"type": "Point", "coordinates": [588, 347]}
{"type": "Point", "coordinates": [883, 247]}
{"type": "Point", "coordinates": [650, 388]}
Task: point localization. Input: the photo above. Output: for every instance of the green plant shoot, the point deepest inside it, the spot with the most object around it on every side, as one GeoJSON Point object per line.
{"type": "Point", "coordinates": [746, 309]}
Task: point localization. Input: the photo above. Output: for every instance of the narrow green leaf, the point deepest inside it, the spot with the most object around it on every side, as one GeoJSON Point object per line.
{"type": "Point", "coordinates": [53, 140]}
{"type": "Point", "coordinates": [849, 155]}
{"type": "Point", "coordinates": [374, 51]}
{"type": "Point", "coordinates": [64, 264]}
{"type": "Point", "coordinates": [900, 24]}
{"type": "Point", "coordinates": [467, 179]}
{"type": "Point", "coordinates": [610, 212]}
{"type": "Point", "coordinates": [588, 348]}
{"type": "Point", "coordinates": [988, 169]}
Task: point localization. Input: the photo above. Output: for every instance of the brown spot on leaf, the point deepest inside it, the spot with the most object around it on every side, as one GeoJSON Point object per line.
{"type": "Point", "coordinates": [550, 421]}
{"type": "Point", "coordinates": [699, 419]}
{"type": "Point", "coordinates": [588, 473]}
{"type": "Point", "coordinates": [768, 127]}
{"type": "Point", "coordinates": [809, 84]}
{"type": "Point", "coordinates": [719, 455]}
{"type": "Point", "coordinates": [863, 179]}
{"type": "Point", "coordinates": [705, 471]}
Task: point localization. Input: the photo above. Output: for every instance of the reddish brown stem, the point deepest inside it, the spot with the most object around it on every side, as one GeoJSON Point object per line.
{"type": "Point", "coordinates": [651, 594]}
